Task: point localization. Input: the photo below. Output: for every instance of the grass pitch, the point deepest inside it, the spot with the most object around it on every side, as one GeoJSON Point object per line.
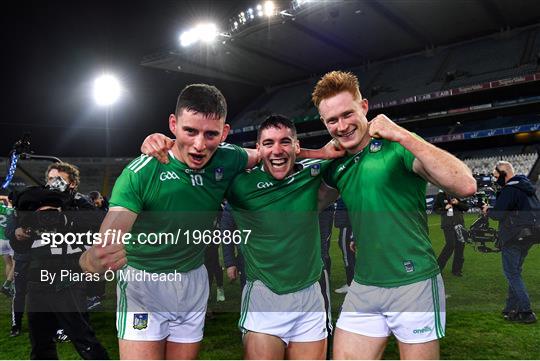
{"type": "Point", "coordinates": [474, 328]}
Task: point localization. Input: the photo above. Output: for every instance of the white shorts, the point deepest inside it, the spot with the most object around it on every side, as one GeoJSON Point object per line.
{"type": "Point", "coordinates": [414, 313]}
{"type": "Point", "coordinates": [154, 310]}
{"type": "Point", "coordinates": [294, 317]}
{"type": "Point", "coordinates": [5, 248]}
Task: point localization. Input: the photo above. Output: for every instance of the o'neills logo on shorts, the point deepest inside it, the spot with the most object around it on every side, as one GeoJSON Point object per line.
{"type": "Point", "coordinates": [423, 330]}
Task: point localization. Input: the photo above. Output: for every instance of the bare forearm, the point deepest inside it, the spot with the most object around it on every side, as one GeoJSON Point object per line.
{"type": "Point", "coordinates": [441, 167]}
{"type": "Point", "coordinates": [311, 153]}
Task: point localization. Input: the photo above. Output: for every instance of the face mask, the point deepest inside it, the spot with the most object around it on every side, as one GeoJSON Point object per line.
{"type": "Point", "coordinates": [502, 176]}
{"type": "Point", "coordinates": [58, 184]}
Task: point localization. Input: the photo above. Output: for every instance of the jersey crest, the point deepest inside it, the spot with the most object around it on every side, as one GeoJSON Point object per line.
{"type": "Point", "coordinates": [315, 169]}
{"type": "Point", "coordinates": [218, 173]}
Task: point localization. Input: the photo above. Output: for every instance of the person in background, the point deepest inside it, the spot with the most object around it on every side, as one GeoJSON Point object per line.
{"type": "Point", "coordinates": [342, 222]}
{"type": "Point", "coordinates": [232, 257]}
{"type": "Point", "coordinates": [5, 249]}
{"type": "Point", "coordinates": [451, 210]}
{"type": "Point", "coordinates": [517, 209]}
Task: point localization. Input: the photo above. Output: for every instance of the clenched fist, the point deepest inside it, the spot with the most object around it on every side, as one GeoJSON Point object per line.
{"type": "Point", "coordinates": [382, 127]}
{"type": "Point", "coordinates": [100, 258]}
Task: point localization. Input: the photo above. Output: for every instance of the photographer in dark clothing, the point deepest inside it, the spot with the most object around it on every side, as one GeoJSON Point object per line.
{"type": "Point", "coordinates": [517, 209]}
{"type": "Point", "coordinates": [451, 210]}
{"type": "Point", "coordinates": [59, 298]}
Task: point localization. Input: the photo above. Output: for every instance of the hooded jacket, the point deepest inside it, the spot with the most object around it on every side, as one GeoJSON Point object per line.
{"type": "Point", "coordinates": [517, 207]}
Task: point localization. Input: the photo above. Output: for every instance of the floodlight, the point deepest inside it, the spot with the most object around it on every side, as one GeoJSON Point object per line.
{"type": "Point", "coordinates": [106, 89]}
{"type": "Point", "coordinates": [269, 8]}
{"type": "Point", "coordinates": [188, 37]}
{"type": "Point", "coordinates": [202, 32]}
{"type": "Point", "coordinates": [207, 32]}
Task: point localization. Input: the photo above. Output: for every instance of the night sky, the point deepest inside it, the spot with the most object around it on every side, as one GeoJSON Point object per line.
{"type": "Point", "coordinates": [53, 51]}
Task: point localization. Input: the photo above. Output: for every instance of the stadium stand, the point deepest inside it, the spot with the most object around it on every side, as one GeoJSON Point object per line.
{"type": "Point", "coordinates": [499, 56]}
{"type": "Point", "coordinates": [522, 163]}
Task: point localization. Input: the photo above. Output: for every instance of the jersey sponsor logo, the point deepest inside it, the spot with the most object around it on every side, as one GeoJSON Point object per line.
{"type": "Point", "coordinates": [423, 330]}
{"type": "Point", "coordinates": [315, 170]}
{"type": "Point", "coordinates": [189, 170]}
{"type": "Point", "coordinates": [375, 146]}
{"type": "Point", "coordinates": [218, 173]}
{"type": "Point", "coordinates": [263, 185]}
{"type": "Point", "coordinates": [409, 266]}
{"type": "Point", "coordinates": [168, 175]}
{"type": "Point", "coordinates": [140, 321]}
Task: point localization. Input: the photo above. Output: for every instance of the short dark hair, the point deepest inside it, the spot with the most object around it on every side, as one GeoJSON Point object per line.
{"type": "Point", "coordinates": [94, 195]}
{"type": "Point", "coordinates": [202, 98]}
{"type": "Point", "coordinates": [276, 121]}
{"type": "Point", "coordinates": [71, 170]}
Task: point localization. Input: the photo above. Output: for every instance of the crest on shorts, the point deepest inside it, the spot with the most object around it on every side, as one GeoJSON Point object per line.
{"type": "Point", "coordinates": [375, 146]}
{"type": "Point", "coordinates": [140, 321]}
{"type": "Point", "coordinates": [315, 170]}
{"type": "Point", "coordinates": [218, 173]}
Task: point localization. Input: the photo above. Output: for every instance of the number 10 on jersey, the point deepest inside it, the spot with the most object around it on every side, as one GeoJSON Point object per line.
{"type": "Point", "coordinates": [196, 180]}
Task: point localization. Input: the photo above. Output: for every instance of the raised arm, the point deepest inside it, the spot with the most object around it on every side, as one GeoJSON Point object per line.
{"type": "Point", "coordinates": [110, 254]}
{"type": "Point", "coordinates": [157, 145]}
{"type": "Point", "coordinates": [433, 164]}
{"type": "Point", "coordinates": [331, 150]}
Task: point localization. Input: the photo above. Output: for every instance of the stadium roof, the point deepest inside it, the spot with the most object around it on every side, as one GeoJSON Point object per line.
{"type": "Point", "coordinates": [323, 35]}
{"type": "Point", "coordinates": [53, 51]}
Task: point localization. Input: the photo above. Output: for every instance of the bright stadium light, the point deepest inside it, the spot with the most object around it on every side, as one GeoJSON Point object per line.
{"type": "Point", "coordinates": [207, 32]}
{"type": "Point", "coordinates": [106, 90]}
{"type": "Point", "coordinates": [269, 8]}
{"type": "Point", "coordinates": [300, 3]}
{"type": "Point", "coordinates": [202, 32]}
{"type": "Point", "coordinates": [188, 38]}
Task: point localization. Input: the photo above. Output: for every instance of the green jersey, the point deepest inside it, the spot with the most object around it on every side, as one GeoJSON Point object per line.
{"type": "Point", "coordinates": [283, 249]}
{"type": "Point", "coordinates": [4, 213]}
{"type": "Point", "coordinates": [387, 209]}
{"type": "Point", "coordinates": [174, 204]}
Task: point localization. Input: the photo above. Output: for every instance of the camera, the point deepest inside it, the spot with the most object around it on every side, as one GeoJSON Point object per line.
{"type": "Point", "coordinates": [43, 209]}
{"type": "Point", "coordinates": [478, 235]}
